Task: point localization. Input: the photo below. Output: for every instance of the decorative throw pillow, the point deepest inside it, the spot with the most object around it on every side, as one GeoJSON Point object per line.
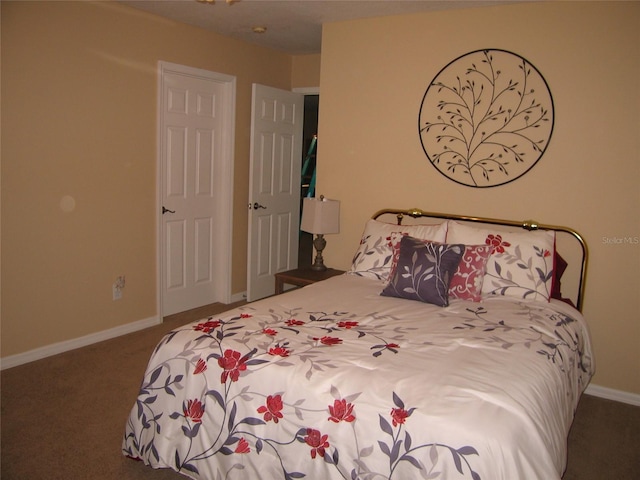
{"type": "Point", "coordinates": [424, 271]}
{"type": "Point", "coordinates": [521, 263]}
{"type": "Point", "coordinates": [559, 266]}
{"type": "Point", "coordinates": [374, 255]}
{"type": "Point", "coordinates": [466, 283]}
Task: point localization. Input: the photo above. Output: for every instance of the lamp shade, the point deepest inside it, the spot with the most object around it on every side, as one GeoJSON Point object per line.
{"type": "Point", "coordinates": [320, 216]}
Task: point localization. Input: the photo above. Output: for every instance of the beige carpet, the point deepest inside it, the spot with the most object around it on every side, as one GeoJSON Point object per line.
{"type": "Point", "coordinates": [63, 417]}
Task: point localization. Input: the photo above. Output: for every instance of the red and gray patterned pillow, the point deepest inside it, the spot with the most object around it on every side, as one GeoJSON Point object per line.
{"type": "Point", "coordinates": [466, 283]}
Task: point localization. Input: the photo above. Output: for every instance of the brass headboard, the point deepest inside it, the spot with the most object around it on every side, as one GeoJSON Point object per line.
{"type": "Point", "coordinates": [527, 225]}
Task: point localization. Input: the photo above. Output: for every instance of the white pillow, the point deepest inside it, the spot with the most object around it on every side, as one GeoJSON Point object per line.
{"type": "Point", "coordinates": [375, 252]}
{"type": "Point", "coordinates": [521, 263]}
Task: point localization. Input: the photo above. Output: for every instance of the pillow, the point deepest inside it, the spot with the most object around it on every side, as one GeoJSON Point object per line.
{"type": "Point", "coordinates": [521, 263]}
{"type": "Point", "coordinates": [424, 271]}
{"type": "Point", "coordinates": [394, 242]}
{"type": "Point", "coordinates": [559, 266]}
{"type": "Point", "coordinates": [374, 254]}
{"type": "Point", "coordinates": [467, 281]}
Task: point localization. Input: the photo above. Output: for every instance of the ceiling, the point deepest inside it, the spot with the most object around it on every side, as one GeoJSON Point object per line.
{"type": "Point", "coordinates": [293, 26]}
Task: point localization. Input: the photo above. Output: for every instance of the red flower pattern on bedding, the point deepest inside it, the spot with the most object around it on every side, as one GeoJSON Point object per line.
{"type": "Point", "coordinates": [194, 409]}
{"type": "Point", "coordinates": [273, 408]}
{"type": "Point", "coordinates": [347, 325]}
{"type": "Point", "coordinates": [279, 351]}
{"type": "Point", "coordinates": [201, 366]}
{"type": "Point", "coordinates": [243, 446]}
{"type": "Point", "coordinates": [208, 326]}
{"type": "Point", "coordinates": [317, 442]}
{"type": "Point", "coordinates": [496, 242]}
{"type": "Point", "coordinates": [292, 322]}
{"type": "Point", "coordinates": [329, 340]}
{"type": "Point", "coordinates": [398, 416]}
{"type": "Point", "coordinates": [232, 364]}
{"type": "Point", "coordinates": [341, 410]}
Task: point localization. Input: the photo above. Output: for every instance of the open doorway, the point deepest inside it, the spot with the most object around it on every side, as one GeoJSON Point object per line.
{"type": "Point", "coordinates": [310, 130]}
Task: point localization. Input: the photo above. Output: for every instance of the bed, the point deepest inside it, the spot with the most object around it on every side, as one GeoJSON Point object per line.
{"type": "Point", "coordinates": [446, 351]}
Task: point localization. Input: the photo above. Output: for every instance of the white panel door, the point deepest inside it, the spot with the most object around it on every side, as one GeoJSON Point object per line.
{"type": "Point", "coordinates": [274, 190]}
{"type": "Point", "coordinates": [193, 156]}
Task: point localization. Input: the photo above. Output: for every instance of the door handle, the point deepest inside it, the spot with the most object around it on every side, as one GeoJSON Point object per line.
{"type": "Point", "coordinates": [256, 206]}
{"type": "Point", "coordinates": [166, 210]}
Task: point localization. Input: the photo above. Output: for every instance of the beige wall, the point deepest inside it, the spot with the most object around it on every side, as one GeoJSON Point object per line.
{"type": "Point", "coordinates": [374, 75]}
{"type": "Point", "coordinates": [306, 71]}
{"type": "Point", "coordinates": [79, 120]}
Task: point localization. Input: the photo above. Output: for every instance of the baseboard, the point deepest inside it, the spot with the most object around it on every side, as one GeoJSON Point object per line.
{"type": "Point", "coordinates": [61, 347]}
{"type": "Point", "coordinates": [611, 394]}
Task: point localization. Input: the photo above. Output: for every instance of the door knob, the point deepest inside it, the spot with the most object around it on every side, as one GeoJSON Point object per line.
{"type": "Point", "coordinates": [166, 210]}
{"type": "Point", "coordinates": [256, 206]}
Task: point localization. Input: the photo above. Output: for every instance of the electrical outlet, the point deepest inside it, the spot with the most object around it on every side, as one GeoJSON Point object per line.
{"type": "Point", "coordinates": [117, 287]}
{"type": "Point", "coordinates": [117, 292]}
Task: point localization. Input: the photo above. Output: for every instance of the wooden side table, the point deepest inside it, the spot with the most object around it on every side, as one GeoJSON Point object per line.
{"type": "Point", "coordinates": [303, 276]}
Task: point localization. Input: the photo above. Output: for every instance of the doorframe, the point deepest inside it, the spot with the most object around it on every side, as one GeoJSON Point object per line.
{"type": "Point", "coordinates": [224, 211]}
{"type": "Point", "coordinates": [306, 91]}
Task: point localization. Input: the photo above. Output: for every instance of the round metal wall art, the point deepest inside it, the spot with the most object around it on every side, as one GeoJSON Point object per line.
{"type": "Point", "coordinates": [486, 118]}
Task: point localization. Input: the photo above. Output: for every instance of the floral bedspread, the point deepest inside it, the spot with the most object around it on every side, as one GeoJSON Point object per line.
{"type": "Point", "coordinates": [336, 381]}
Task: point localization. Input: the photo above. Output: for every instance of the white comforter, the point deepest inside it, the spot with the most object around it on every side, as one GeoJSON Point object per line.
{"type": "Point", "coordinates": [336, 381]}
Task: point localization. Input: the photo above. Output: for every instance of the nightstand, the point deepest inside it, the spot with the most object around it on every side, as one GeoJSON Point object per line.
{"type": "Point", "coordinates": [303, 276]}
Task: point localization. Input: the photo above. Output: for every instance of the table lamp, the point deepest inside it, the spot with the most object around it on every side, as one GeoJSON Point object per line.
{"type": "Point", "coordinates": [320, 216]}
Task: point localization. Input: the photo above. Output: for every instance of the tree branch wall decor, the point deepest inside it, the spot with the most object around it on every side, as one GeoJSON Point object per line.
{"type": "Point", "coordinates": [486, 118]}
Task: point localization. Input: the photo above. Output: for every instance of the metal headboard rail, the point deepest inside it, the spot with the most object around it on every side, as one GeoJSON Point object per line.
{"type": "Point", "coordinates": [527, 225]}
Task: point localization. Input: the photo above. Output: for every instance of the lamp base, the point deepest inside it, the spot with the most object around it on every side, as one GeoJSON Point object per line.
{"type": "Point", "coordinates": [318, 267]}
{"type": "Point", "coordinates": [319, 243]}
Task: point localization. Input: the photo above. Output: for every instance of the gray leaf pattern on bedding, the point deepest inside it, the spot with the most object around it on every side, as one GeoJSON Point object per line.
{"type": "Point", "coordinates": [535, 334]}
